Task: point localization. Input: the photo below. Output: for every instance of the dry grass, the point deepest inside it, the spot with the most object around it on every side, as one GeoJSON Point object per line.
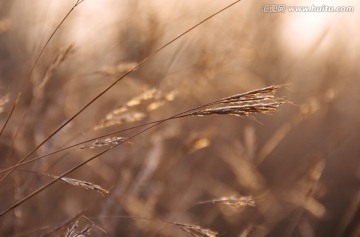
{"type": "Point", "coordinates": [161, 119]}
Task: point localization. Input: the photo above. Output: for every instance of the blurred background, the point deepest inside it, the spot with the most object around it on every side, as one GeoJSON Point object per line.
{"type": "Point", "coordinates": [300, 165]}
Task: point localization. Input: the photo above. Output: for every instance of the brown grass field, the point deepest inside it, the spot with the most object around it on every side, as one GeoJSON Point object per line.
{"type": "Point", "coordinates": [179, 118]}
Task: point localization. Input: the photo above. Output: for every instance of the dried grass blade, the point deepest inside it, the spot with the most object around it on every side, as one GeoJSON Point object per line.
{"type": "Point", "coordinates": [240, 110]}
{"type": "Point", "coordinates": [110, 141]}
{"type": "Point", "coordinates": [3, 101]}
{"type": "Point", "coordinates": [234, 201]}
{"type": "Point", "coordinates": [196, 230]}
{"type": "Point", "coordinates": [84, 184]}
{"type": "Point", "coordinates": [61, 57]}
{"type": "Point", "coordinates": [257, 94]}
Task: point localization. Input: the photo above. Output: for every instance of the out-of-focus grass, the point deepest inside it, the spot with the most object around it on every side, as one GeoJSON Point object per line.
{"type": "Point", "coordinates": [300, 164]}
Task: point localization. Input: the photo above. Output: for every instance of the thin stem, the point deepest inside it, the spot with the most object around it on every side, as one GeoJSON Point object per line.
{"type": "Point", "coordinates": [23, 83]}
{"type": "Point", "coordinates": [180, 115]}
{"type": "Point", "coordinates": [116, 81]}
{"type": "Point", "coordinates": [10, 114]}
{"type": "Point", "coordinates": [28, 197]}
